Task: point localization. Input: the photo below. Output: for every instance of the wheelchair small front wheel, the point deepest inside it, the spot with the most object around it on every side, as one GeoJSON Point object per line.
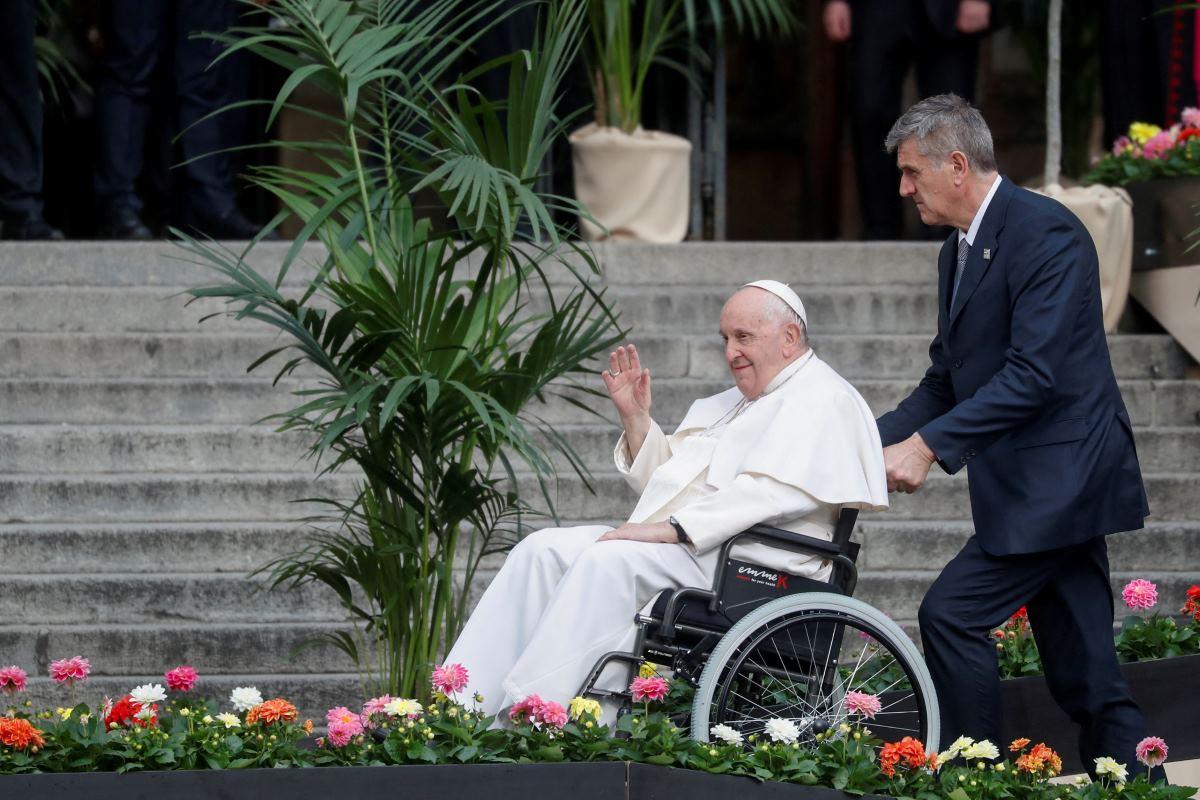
{"type": "Point", "coordinates": [819, 660]}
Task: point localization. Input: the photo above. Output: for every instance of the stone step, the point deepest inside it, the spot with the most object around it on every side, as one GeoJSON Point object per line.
{"type": "Point", "coordinates": [92, 449]}
{"type": "Point", "coordinates": [214, 649]}
{"type": "Point", "coordinates": [722, 264]}
{"type": "Point", "coordinates": [175, 355]}
{"type": "Point", "coordinates": [919, 544]}
{"type": "Point", "coordinates": [900, 593]}
{"type": "Point", "coordinates": [683, 309]}
{"type": "Point", "coordinates": [183, 401]}
{"type": "Point", "coordinates": [177, 598]}
{"type": "Point", "coordinates": [312, 694]}
{"type": "Point", "coordinates": [146, 547]}
{"type": "Point", "coordinates": [180, 497]}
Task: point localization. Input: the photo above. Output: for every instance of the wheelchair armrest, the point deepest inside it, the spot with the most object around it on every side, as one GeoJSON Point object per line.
{"type": "Point", "coordinates": [789, 541]}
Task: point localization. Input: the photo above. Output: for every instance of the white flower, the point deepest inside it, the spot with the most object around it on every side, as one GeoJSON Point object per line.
{"type": "Point", "coordinates": [402, 708]}
{"type": "Point", "coordinates": [148, 693]}
{"type": "Point", "coordinates": [245, 698]}
{"type": "Point", "coordinates": [145, 712]}
{"type": "Point", "coordinates": [980, 749]}
{"type": "Point", "coordinates": [726, 734]}
{"type": "Point", "coordinates": [782, 730]}
{"type": "Point", "coordinates": [229, 720]}
{"type": "Point", "coordinates": [1111, 768]}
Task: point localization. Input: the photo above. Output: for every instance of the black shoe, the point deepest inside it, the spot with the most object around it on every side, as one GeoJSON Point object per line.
{"type": "Point", "coordinates": [123, 222]}
{"type": "Point", "coordinates": [234, 226]}
{"type": "Point", "coordinates": [29, 229]}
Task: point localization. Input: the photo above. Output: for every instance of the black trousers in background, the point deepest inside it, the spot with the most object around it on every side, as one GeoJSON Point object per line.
{"type": "Point", "coordinates": [20, 114]}
{"type": "Point", "coordinates": [1070, 606]}
{"type": "Point", "coordinates": [150, 56]}
{"type": "Point", "coordinates": [888, 37]}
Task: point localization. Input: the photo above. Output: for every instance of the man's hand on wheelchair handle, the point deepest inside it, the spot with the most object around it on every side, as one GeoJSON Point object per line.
{"type": "Point", "coordinates": [662, 532]}
{"type": "Point", "coordinates": [907, 464]}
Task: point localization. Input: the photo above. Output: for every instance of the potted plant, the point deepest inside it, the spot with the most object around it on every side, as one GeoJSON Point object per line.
{"type": "Point", "coordinates": [417, 320]}
{"type": "Point", "coordinates": [634, 182]}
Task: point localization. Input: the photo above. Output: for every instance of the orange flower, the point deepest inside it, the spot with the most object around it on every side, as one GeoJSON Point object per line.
{"type": "Point", "coordinates": [1018, 745]}
{"type": "Point", "coordinates": [1040, 758]}
{"type": "Point", "coordinates": [908, 751]}
{"type": "Point", "coordinates": [269, 711]}
{"type": "Point", "coordinates": [308, 726]}
{"type": "Point", "coordinates": [19, 734]}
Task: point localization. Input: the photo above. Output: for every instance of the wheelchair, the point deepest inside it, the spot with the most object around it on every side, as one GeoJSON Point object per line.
{"type": "Point", "coordinates": [762, 644]}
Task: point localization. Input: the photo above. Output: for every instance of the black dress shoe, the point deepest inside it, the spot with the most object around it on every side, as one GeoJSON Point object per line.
{"type": "Point", "coordinates": [29, 229]}
{"type": "Point", "coordinates": [234, 226]}
{"type": "Point", "coordinates": [122, 222]}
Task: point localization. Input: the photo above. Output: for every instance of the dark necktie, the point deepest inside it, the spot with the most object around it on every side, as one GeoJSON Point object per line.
{"type": "Point", "coordinates": [963, 249]}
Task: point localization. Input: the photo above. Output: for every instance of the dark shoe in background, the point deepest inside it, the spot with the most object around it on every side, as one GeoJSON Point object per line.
{"type": "Point", "coordinates": [122, 222]}
{"type": "Point", "coordinates": [29, 229]}
{"type": "Point", "coordinates": [234, 226]}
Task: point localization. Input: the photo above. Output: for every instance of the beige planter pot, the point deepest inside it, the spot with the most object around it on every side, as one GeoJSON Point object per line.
{"type": "Point", "coordinates": [1107, 213]}
{"type": "Point", "coordinates": [635, 185]}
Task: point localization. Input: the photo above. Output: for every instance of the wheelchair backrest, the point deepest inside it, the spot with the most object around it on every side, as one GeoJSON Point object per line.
{"type": "Point", "coordinates": [747, 586]}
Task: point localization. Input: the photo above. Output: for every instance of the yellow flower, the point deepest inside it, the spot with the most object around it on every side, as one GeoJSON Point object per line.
{"type": "Point", "coordinates": [1142, 132]}
{"type": "Point", "coordinates": [647, 670]}
{"type": "Point", "coordinates": [229, 720]}
{"type": "Point", "coordinates": [64, 713]}
{"type": "Point", "coordinates": [206, 719]}
{"type": "Point", "coordinates": [581, 706]}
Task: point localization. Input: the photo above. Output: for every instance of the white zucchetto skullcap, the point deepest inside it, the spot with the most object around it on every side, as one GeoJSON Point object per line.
{"type": "Point", "coordinates": [784, 293]}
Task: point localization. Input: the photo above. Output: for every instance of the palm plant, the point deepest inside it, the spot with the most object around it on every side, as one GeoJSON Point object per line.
{"type": "Point", "coordinates": [628, 37]}
{"type": "Point", "coordinates": [435, 332]}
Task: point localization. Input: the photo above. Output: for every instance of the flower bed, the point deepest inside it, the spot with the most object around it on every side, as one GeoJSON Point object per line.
{"type": "Point", "coordinates": [187, 746]}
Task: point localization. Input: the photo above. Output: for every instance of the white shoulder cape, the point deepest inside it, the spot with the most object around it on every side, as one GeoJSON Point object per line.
{"type": "Point", "coordinates": [815, 432]}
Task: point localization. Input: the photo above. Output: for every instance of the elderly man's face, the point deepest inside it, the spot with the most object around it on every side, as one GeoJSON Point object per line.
{"type": "Point", "coordinates": [931, 186]}
{"type": "Point", "coordinates": [757, 344]}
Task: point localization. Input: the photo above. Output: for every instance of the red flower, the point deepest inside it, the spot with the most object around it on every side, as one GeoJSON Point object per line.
{"type": "Point", "coordinates": [181, 679]}
{"type": "Point", "coordinates": [125, 713]}
{"type": "Point", "coordinates": [1188, 133]}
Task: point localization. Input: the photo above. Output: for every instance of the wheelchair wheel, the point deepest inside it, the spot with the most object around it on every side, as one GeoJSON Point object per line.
{"type": "Point", "coordinates": [798, 658]}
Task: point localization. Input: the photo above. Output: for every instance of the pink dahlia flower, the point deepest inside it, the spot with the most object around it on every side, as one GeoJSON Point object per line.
{"type": "Point", "coordinates": [1152, 750]}
{"type": "Point", "coordinates": [863, 704]}
{"type": "Point", "coordinates": [70, 670]}
{"type": "Point", "coordinates": [552, 714]}
{"type": "Point", "coordinates": [181, 679]}
{"type": "Point", "coordinates": [449, 678]}
{"type": "Point", "coordinates": [345, 717]}
{"type": "Point", "coordinates": [1140, 594]}
{"type": "Point", "coordinates": [527, 709]}
{"type": "Point", "coordinates": [1158, 145]}
{"type": "Point", "coordinates": [12, 679]}
{"type": "Point", "coordinates": [340, 733]}
{"type": "Point", "coordinates": [1120, 145]}
{"type": "Point", "coordinates": [376, 705]}
{"type": "Point", "coordinates": [1191, 117]}
{"type": "Point", "coordinates": [647, 689]}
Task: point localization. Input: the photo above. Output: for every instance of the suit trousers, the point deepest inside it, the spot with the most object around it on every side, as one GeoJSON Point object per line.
{"type": "Point", "coordinates": [150, 52]}
{"type": "Point", "coordinates": [20, 114]}
{"type": "Point", "coordinates": [1070, 605]}
{"type": "Point", "coordinates": [889, 37]}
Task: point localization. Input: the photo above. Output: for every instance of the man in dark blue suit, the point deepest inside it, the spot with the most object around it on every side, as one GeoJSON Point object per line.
{"type": "Point", "coordinates": [1020, 386]}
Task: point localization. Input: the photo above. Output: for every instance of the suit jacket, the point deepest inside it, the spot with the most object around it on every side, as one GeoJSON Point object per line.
{"type": "Point", "coordinates": [1020, 384]}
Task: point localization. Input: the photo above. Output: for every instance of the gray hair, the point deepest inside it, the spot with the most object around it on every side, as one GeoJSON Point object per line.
{"type": "Point", "coordinates": [942, 124]}
{"type": "Point", "coordinates": [776, 310]}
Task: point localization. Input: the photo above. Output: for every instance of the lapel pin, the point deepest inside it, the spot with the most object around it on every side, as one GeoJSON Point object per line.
{"type": "Point", "coordinates": [987, 254]}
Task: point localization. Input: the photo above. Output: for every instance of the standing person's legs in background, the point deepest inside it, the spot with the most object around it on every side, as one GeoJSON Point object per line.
{"type": "Point", "coordinates": [202, 88]}
{"type": "Point", "coordinates": [134, 36]}
{"type": "Point", "coordinates": [881, 53]}
{"type": "Point", "coordinates": [20, 127]}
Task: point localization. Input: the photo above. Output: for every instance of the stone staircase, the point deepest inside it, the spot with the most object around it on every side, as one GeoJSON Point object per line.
{"type": "Point", "coordinates": [137, 490]}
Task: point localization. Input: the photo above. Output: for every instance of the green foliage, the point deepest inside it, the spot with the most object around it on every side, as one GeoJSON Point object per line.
{"type": "Point", "coordinates": [435, 334]}
{"type": "Point", "coordinates": [628, 37]}
{"type": "Point", "coordinates": [1132, 167]}
{"type": "Point", "coordinates": [55, 67]}
{"type": "Point", "coordinates": [1144, 638]}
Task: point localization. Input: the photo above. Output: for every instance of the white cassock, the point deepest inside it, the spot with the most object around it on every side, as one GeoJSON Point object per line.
{"type": "Point", "coordinates": [792, 458]}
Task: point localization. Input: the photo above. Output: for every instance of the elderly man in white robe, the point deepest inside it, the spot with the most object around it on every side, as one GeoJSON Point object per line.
{"type": "Point", "coordinates": [790, 445]}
